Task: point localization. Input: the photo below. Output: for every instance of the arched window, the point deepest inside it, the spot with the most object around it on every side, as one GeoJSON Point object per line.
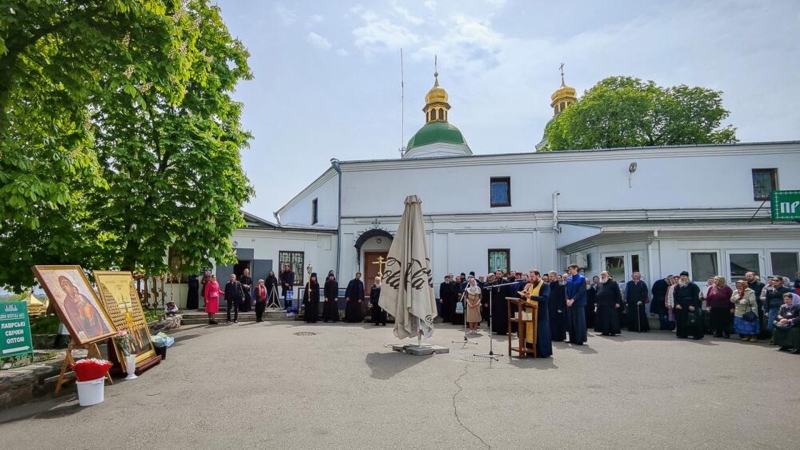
{"type": "Point", "coordinates": [441, 114]}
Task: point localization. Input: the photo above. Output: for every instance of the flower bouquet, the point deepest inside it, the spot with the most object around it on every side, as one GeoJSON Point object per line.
{"type": "Point", "coordinates": [124, 342]}
{"type": "Point", "coordinates": [90, 369]}
{"type": "Point", "coordinates": [162, 340]}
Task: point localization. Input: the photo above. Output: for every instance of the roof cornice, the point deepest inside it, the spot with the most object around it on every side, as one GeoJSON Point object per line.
{"type": "Point", "coordinates": [680, 151]}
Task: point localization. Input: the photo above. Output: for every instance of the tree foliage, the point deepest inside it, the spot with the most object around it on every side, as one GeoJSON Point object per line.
{"type": "Point", "coordinates": [629, 112]}
{"type": "Point", "coordinates": [120, 138]}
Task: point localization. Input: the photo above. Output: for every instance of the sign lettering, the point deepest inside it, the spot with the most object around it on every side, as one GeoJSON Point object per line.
{"type": "Point", "coordinates": [785, 205]}
{"type": "Point", "coordinates": [16, 338]}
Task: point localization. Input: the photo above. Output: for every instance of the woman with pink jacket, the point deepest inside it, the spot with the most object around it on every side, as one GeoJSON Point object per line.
{"type": "Point", "coordinates": [211, 294]}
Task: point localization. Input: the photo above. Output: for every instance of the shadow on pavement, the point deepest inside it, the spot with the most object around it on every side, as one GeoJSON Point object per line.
{"type": "Point", "coordinates": [386, 365]}
{"type": "Point", "coordinates": [47, 408]}
{"type": "Point", "coordinates": [533, 363]}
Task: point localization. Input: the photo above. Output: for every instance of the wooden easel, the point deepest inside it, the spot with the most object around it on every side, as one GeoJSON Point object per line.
{"type": "Point", "coordinates": [93, 352]}
{"type": "Point", "coordinates": [518, 306]}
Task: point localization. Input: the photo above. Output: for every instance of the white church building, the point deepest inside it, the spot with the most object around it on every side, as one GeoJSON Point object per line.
{"type": "Point", "coordinates": [655, 210]}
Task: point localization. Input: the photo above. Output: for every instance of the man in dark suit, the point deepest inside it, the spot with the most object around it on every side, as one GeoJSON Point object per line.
{"type": "Point", "coordinates": [234, 295]}
{"type": "Point", "coordinates": [287, 283]}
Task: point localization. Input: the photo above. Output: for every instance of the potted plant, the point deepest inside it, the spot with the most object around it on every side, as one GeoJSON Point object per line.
{"type": "Point", "coordinates": [125, 343]}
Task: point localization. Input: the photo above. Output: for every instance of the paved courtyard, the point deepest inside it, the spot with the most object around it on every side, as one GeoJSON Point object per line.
{"type": "Point", "coordinates": [271, 385]}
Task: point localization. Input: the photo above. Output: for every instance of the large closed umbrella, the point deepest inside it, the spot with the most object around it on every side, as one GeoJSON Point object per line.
{"type": "Point", "coordinates": [407, 291]}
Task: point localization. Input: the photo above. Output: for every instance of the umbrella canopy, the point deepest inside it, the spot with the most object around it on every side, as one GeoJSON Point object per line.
{"type": "Point", "coordinates": [407, 291]}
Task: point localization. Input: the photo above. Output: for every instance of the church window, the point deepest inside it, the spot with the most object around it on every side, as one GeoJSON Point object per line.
{"type": "Point", "coordinates": [704, 265]}
{"type": "Point", "coordinates": [314, 204]}
{"type": "Point", "coordinates": [500, 191]}
{"type": "Point", "coordinates": [295, 260]}
{"type": "Point", "coordinates": [441, 114]}
{"type": "Point", "coordinates": [784, 264]}
{"type": "Point", "coordinates": [499, 259]}
{"type": "Point", "coordinates": [764, 182]}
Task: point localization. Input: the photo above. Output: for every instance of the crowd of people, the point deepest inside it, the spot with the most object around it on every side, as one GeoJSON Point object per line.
{"type": "Point", "coordinates": [568, 304]}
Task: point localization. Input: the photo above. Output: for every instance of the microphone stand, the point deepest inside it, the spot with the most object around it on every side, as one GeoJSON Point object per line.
{"type": "Point", "coordinates": [466, 339]}
{"type": "Point", "coordinates": [492, 354]}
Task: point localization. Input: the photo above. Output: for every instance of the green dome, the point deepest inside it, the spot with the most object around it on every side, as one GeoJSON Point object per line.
{"type": "Point", "coordinates": [436, 132]}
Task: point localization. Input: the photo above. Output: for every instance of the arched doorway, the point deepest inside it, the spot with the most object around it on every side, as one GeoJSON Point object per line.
{"type": "Point", "coordinates": [372, 247]}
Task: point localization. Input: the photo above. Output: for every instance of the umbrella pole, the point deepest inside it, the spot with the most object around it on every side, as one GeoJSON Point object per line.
{"type": "Point", "coordinates": [419, 332]}
{"type": "Point", "coordinates": [466, 339]}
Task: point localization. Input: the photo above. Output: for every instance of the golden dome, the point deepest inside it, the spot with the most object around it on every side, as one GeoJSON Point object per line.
{"type": "Point", "coordinates": [437, 94]}
{"type": "Point", "coordinates": [563, 92]}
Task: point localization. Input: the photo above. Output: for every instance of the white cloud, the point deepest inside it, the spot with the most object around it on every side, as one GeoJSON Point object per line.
{"type": "Point", "coordinates": [314, 19]}
{"type": "Point", "coordinates": [404, 14]}
{"type": "Point", "coordinates": [341, 52]}
{"type": "Point", "coordinates": [430, 4]}
{"type": "Point", "coordinates": [468, 44]}
{"type": "Point", "coordinates": [379, 34]}
{"type": "Point", "coordinates": [287, 16]}
{"type": "Point", "coordinates": [321, 42]}
{"type": "Point", "coordinates": [496, 3]}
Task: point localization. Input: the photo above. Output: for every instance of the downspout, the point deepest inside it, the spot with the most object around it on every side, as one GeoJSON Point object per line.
{"type": "Point", "coordinates": [555, 212]}
{"type": "Point", "coordinates": [338, 169]}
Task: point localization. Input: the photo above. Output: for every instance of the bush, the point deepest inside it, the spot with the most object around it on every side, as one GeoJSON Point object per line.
{"type": "Point", "coordinates": [45, 325]}
{"type": "Point", "coordinates": [152, 315]}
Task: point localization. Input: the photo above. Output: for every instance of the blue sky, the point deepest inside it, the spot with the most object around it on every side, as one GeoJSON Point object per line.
{"type": "Point", "coordinates": [327, 73]}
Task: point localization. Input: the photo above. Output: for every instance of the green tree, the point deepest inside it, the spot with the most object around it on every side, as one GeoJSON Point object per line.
{"type": "Point", "coordinates": [629, 112]}
{"type": "Point", "coordinates": [119, 135]}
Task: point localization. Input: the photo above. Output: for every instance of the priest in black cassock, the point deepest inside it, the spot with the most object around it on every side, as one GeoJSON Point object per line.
{"type": "Point", "coordinates": [330, 309]}
{"type": "Point", "coordinates": [659, 304]}
{"type": "Point", "coordinates": [512, 290]}
{"type": "Point", "coordinates": [557, 309]}
{"type": "Point", "coordinates": [354, 296]}
{"type": "Point", "coordinates": [444, 299]}
{"type": "Point", "coordinates": [499, 305]}
{"type": "Point", "coordinates": [636, 298]}
{"type": "Point", "coordinates": [688, 305]}
{"type": "Point", "coordinates": [609, 300]}
{"type": "Point", "coordinates": [247, 285]}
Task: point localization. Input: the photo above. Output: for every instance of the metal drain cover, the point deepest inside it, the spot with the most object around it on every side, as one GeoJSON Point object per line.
{"type": "Point", "coordinates": [305, 333]}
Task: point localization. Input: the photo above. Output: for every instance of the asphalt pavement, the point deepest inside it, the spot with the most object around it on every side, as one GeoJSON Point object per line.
{"type": "Point", "coordinates": [289, 385]}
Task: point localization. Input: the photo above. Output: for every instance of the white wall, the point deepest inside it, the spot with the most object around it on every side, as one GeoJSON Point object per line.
{"type": "Point", "coordinates": [319, 248]}
{"type": "Point", "coordinates": [326, 191]}
{"type": "Point", "coordinates": [684, 177]}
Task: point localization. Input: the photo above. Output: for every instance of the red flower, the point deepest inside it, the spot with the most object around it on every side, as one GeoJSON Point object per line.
{"type": "Point", "coordinates": [90, 369]}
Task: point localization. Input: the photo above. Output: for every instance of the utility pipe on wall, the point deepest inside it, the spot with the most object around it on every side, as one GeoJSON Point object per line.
{"type": "Point", "coordinates": [555, 212]}
{"type": "Point", "coordinates": [338, 169]}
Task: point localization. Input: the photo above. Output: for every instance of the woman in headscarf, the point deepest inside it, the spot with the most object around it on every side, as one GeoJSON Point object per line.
{"type": "Point", "coordinates": [473, 294]}
{"type": "Point", "coordinates": [378, 313]}
{"type": "Point", "coordinates": [744, 301]}
{"type": "Point", "coordinates": [330, 308]}
{"type": "Point", "coordinates": [311, 299]}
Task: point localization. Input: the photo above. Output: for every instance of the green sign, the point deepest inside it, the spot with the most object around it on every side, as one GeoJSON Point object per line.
{"type": "Point", "coordinates": [15, 329]}
{"type": "Point", "coordinates": [785, 205]}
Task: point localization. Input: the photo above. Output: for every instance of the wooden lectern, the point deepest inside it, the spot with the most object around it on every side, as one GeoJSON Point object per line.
{"type": "Point", "coordinates": [522, 308]}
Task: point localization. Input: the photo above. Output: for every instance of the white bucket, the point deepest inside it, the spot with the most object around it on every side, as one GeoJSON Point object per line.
{"type": "Point", "coordinates": [91, 392]}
